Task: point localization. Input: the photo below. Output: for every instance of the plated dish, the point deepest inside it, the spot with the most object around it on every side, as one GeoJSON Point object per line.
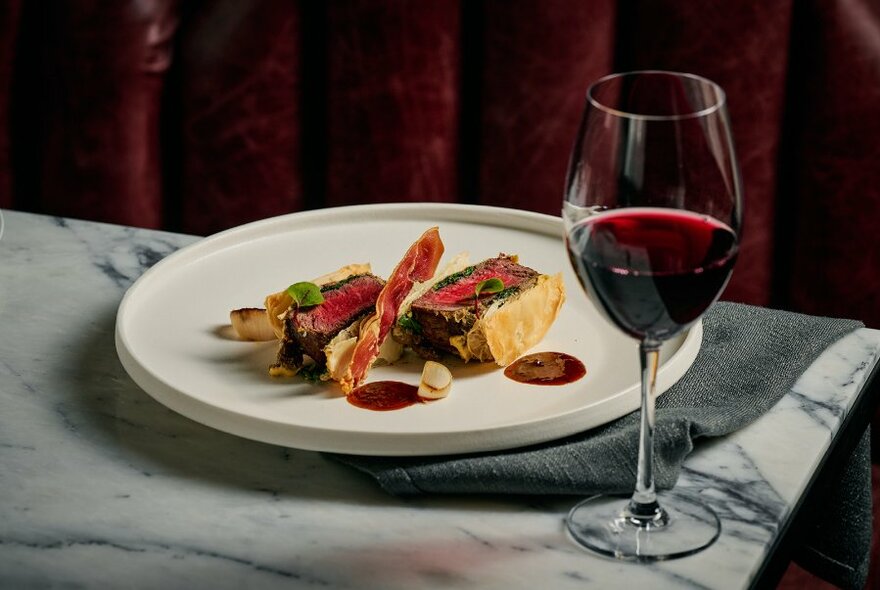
{"type": "Point", "coordinates": [172, 340]}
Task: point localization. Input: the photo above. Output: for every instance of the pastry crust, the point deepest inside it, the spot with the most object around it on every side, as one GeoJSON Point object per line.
{"type": "Point", "coordinates": [340, 350]}
{"type": "Point", "coordinates": [509, 328]}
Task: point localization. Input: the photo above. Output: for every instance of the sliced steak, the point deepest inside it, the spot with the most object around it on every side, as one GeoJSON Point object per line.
{"type": "Point", "coordinates": [450, 309]}
{"type": "Point", "coordinates": [309, 330]}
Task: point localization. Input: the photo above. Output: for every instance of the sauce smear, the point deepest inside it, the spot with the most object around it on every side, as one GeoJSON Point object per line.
{"type": "Point", "coordinates": [546, 368]}
{"type": "Point", "coordinates": [384, 395]}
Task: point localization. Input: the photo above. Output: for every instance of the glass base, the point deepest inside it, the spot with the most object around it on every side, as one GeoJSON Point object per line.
{"type": "Point", "coordinates": [681, 525]}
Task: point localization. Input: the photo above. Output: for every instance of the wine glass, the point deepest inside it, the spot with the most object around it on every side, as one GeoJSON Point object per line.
{"type": "Point", "coordinates": [652, 213]}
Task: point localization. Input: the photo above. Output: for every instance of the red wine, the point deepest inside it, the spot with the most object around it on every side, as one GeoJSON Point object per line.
{"type": "Point", "coordinates": [652, 272]}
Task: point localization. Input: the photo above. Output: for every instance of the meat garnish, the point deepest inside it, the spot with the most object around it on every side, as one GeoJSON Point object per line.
{"type": "Point", "coordinates": [418, 264]}
{"type": "Point", "coordinates": [250, 323]}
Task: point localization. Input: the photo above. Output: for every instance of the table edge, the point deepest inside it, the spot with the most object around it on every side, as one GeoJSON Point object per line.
{"type": "Point", "coordinates": [842, 444]}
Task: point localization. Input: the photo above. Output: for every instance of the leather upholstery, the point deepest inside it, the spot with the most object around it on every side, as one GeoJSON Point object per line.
{"type": "Point", "coordinates": [239, 91]}
{"type": "Point", "coordinates": [103, 70]}
{"type": "Point", "coordinates": [744, 48]}
{"type": "Point", "coordinates": [197, 116]}
{"type": "Point", "coordinates": [9, 23]}
{"type": "Point", "coordinates": [531, 101]}
{"type": "Point", "coordinates": [392, 101]}
{"type": "Point", "coordinates": [834, 197]}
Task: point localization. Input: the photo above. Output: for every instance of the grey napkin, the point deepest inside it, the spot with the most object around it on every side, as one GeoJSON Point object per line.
{"type": "Point", "coordinates": [749, 359]}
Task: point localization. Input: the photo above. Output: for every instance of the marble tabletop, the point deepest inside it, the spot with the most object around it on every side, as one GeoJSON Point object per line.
{"type": "Point", "coordinates": [100, 486]}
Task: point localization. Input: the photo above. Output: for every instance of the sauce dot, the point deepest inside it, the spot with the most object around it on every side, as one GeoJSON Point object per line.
{"type": "Point", "coordinates": [546, 368]}
{"type": "Point", "coordinates": [382, 396]}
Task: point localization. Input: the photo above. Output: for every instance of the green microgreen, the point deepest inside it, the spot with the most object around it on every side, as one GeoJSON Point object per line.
{"type": "Point", "coordinates": [313, 373]}
{"type": "Point", "coordinates": [408, 322]}
{"type": "Point", "coordinates": [488, 287]}
{"type": "Point", "coordinates": [305, 294]}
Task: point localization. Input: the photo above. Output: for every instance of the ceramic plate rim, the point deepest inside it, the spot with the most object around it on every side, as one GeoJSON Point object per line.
{"type": "Point", "coordinates": [316, 438]}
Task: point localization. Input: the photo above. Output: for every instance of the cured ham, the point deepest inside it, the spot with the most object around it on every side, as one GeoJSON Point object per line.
{"type": "Point", "coordinates": [418, 264]}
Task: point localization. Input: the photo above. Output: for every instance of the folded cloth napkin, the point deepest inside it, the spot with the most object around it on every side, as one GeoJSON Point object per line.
{"type": "Point", "coordinates": [749, 359]}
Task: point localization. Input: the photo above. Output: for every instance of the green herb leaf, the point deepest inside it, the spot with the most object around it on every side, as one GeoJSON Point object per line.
{"type": "Point", "coordinates": [408, 322]}
{"type": "Point", "coordinates": [506, 293]}
{"type": "Point", "coordinates": [489, 286]}
{"type": "Point", "coordinates": [305, 294]}
{"type": "Point", "coordinates": [313, 373]}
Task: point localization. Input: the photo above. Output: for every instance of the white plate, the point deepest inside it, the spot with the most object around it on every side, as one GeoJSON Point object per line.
{"type": "Point", "coordinates": [169, 337]}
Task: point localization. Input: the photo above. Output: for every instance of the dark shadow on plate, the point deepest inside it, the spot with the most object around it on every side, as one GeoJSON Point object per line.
{"type": "Point", "coordinates": [411, 364]}
{"type": "Point", "coordinates": [225, 332]}
{"type": "Point", "coordinates": [255, 359]}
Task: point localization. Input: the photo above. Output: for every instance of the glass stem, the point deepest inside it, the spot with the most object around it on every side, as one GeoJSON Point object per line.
{"type": "Point", "coordinates": [643, 505]}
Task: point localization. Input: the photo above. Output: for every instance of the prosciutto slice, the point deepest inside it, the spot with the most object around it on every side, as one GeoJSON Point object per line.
{"type": "Point", "coordinates": [418, 264]}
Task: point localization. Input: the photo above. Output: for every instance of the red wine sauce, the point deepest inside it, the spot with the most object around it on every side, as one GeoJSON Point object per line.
{"type": "Point", "coordinates": [384, 395]}
{"type": "Point", "coordinates": [546, 368]}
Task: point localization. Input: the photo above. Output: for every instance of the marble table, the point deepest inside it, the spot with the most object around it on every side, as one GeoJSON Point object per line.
{"type": "Point", "coordinates": [100, 486]}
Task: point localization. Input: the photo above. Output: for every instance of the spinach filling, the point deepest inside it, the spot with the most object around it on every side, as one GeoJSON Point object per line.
{"type": "Point", "coordinates": [338, 284]}
{"type": "Point", "coordinates": [454, 277]}
{"type": "Point", "coordinates": [408, 322]}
